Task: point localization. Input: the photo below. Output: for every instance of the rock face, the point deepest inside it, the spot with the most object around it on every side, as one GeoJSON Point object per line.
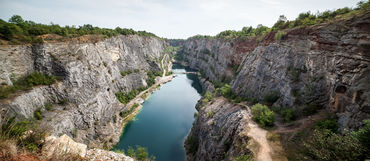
{"type": "Point", "coordinates": [327, 65]}
{"type": "Point", "coordinates": [84, 103]}
{"type": "Point", "coordinates": [219, 132]}
{"type": "Point", "coordinates": [60, 146]}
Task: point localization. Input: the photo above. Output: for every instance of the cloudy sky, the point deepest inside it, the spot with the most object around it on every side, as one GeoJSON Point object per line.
{"type": "Point", "coordinates": [166, 18]}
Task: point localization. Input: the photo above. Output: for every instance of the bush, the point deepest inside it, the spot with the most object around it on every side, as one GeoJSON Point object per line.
{"type": "Point", "coordinates": [288, 114]}
{"type": "Point", "coordinates": [13, 130]}
{"type": "Point", "coordinates": [140, 154]}
{"type": "Point", "coordinates": [327, 146]}
{"type": "Point", "coordinates": [271, 97]}
{"type": "Point", "coordinates": [191, 145]}
{"type": "Point", "coordinates": [363, 135]}
{"type": "Point", "coordinates": [124, 73]}
{"type": "Point", "coordinates": [48, 106]}
{"type": "Point", "coordinates": [329, 124]}
{"type": "Point", "coordinates": [310, 109]}
{"type": "Point", "coordinates": [17, 31]}
{"type": "Point", "coordinates": [263, 115]}
{"type": "Point", "coordinates": [26, 83]}
{"type": "Point", "coordinates": [226, 91]}
{"type": "Point", "coordinates": [280, 35]}
{"type": "Point", "coordinates": [38, 114]}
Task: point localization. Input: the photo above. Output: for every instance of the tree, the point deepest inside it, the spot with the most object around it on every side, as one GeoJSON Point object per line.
{"type": "Point", "coordinates": [16, 19]}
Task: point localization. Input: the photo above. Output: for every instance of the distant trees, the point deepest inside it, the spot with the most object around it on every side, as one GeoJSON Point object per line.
{"type": "Point", "coordinates": [17, 30]}
{"type": "Point", "coordinates": [303, 19]}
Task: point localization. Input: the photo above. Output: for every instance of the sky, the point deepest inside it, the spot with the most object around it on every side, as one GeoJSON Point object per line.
{"type": "Point", "coordinates": [166, 18]}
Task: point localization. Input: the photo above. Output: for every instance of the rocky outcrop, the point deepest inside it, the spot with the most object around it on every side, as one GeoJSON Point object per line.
{"type": "Point", "coordinates": [59, 147]}
{"type": "Point", "coordinates": [327, 65]}
{"type": "Point", "coordinates": [84, 103]}
{"type": "Point", "coordinates": [219, 132]}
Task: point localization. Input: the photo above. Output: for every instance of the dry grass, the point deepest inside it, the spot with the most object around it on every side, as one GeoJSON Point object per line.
{"type": "Point", "coordinates": [8, 149]}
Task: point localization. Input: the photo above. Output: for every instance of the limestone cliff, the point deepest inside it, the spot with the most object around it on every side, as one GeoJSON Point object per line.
{"type": "Point", "coordinates": [327, 65]}
{"type": "Point", "coordinates": [84, 103]}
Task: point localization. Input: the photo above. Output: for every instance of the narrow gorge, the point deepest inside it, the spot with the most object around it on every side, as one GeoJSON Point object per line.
{"type": "Point", "coordinates": [260, 95]}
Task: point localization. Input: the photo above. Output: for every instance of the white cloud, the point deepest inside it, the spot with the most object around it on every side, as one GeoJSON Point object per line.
{"type": "Point", "coordinates": [166, 18]}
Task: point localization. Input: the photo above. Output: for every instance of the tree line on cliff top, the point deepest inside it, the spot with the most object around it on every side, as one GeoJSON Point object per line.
{"type": "Point", "coordinates": [303, 19]}
{"type": "Point", "coordinates": [18, 31]}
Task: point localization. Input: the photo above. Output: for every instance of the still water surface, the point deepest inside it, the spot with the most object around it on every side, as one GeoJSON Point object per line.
{"type": "Point", "coordinates": [165, 119]}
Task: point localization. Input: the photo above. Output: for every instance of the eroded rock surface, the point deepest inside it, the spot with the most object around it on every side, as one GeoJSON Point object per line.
{"type": "Point", "coordinates": [327, 65]}
{"type": "Point", "coordinates": [84, 103]}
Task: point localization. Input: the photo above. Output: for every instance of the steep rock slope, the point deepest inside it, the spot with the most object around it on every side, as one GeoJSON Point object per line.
{"type": "Point", "coordinates": [219, 132]}
{"type": "Point", "coordinates": [327, 65]}
{"type": "Point", "coordinates": [84, 102]}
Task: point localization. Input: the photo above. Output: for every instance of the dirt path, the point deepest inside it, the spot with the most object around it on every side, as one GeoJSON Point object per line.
{"type": "Point", "coordinates": [298, 125]}
{"type": "Point", "coordinates": [259, 135]}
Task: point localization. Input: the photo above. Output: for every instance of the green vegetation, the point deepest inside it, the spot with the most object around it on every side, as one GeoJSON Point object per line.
{"type": "Point", "coordinates": [326, 145]}
{"type": "Point", "coordinates": [26, 83]}
{"type": "Point", "coordinates": [13, 135]}
{"type": "Point", "coordinates": [263, 115]}
{"type": "Point", "coordinates": [38, 114]}
{"type": "Point", "coordinates": [127, 97]}
{"type": "Point", "coordinates": [310, 109]}
{"type": "Point", "coordinates": [271, 97]}
{"type": "Point", "coordinates": [123, 114]}
{"type": "Point", "coordinates": [48, 106]}
{"type": "Point", "coordinates": [308, 18]}
{"type": "Point", "coordinates": [288, 114]}
{"type": "Point", "coordinates": [124, 73]}
{"type": "Point", "coordinates": [208, 96]}
{"type": "Point", "coordinates": [246, 32]}
{"type": "Point", "coordinates": [151, 77]}
{"type": "Point", "coordinates": [280, 35]}
{"type": "Point", "coordinates": [18, 31]}
{"type": "Point", "coordinates": [211, 114]}
{"type": "Point", "coordinates": [168, 73]}
{"type": "Point", "coordinates": [195, 114]}
{"type": "Point", "coordinates": [226, 91]}
{"type": "Point", "coordinates": [192, 145]}
{"type": "Point", "coordinates": [244, 158]}
{"type": "Point", "coordinates": [140, 154]}
{"type": "Point", "coordinates": [329, 124]}
{"type": "Point", "coordinates": [303, 19]}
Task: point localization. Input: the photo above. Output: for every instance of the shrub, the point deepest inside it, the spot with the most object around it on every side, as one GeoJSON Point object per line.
{"type": "Point", "coordinates": [211, 113]}
{"type": "Point", "coordinates": [363, 135]}
{"type": "Point", "coordinates": [271, 97]}
{"type": "Point", "coordinates": [124, 73]}
{"type": "Point", "coordinates": [48, 106]}
{"type": "Point", "coordinates": [288, 114]}
{"type": "Point", "coordinates": [195, 114]}
{"type": "Point", "coordinates": [329, 124]}
{"type": "Point", "coordinates": [263, 115]}
{"type": "Point", "coordinates": [26, 83]}
{"type": "Point", "coordinates": [244, 158]}
{"type": "Point", "coordinates": [191, 144]}
{"type": "Point", "coordinates": [38, 114]}
{"type": "Point", "coordinates": [310, 109]}
{"type": "Point", "coordinates": [294, 73]}
{"type": "Point", "coordinates": [140, 154]}
{"type": "Point", "coordinates": [280, 35]}
{"type": "Point", "coordinates": [226, 91]}
{"type": "Point", "coordinates": [326, 146]}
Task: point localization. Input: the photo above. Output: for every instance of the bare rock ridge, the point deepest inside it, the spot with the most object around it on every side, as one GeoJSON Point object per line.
{"type": "Point", "coordinates": [84, 103]}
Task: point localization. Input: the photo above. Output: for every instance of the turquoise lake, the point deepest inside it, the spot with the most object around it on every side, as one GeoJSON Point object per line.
{"type": "Point", "coordinates": [165, 119]}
